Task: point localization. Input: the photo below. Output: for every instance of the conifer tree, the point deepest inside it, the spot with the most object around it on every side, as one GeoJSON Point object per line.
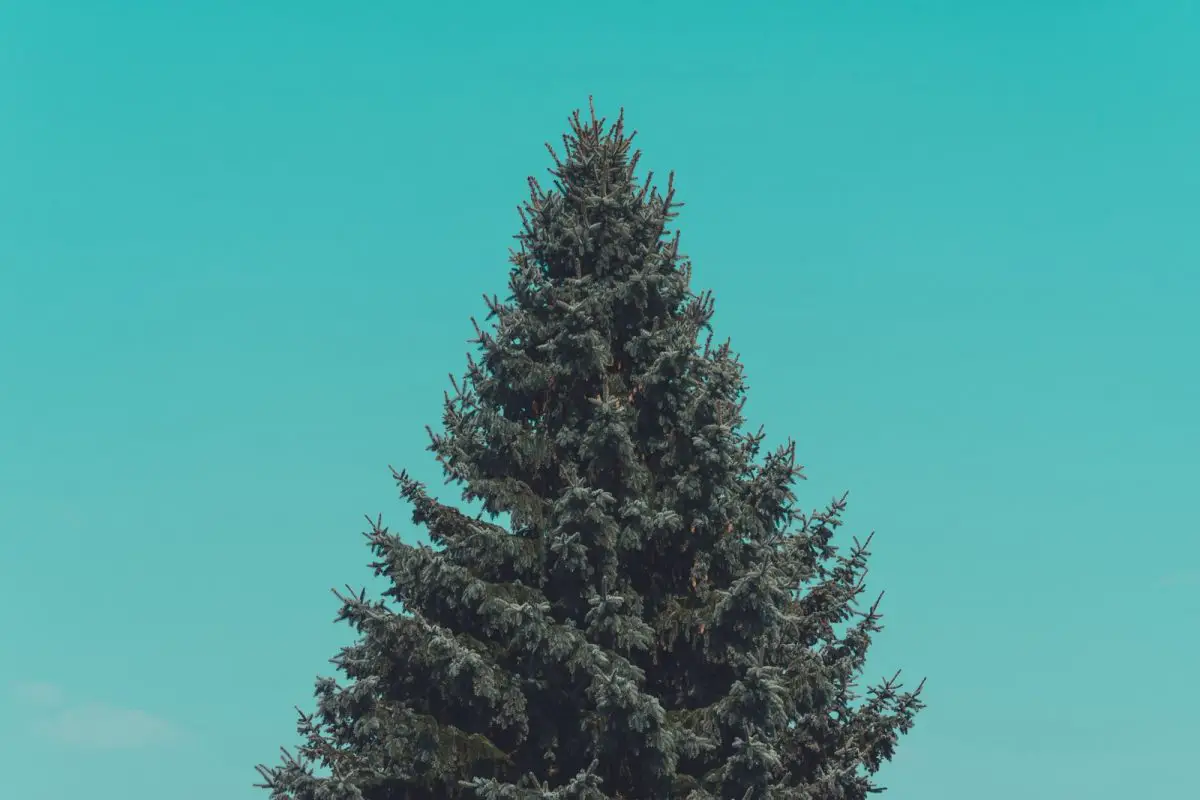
{"type": "Point", "coordinates": [640, 611]}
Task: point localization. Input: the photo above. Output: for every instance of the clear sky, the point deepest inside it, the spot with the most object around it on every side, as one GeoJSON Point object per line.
{"type": "Point", "coordinates": [240, 243]}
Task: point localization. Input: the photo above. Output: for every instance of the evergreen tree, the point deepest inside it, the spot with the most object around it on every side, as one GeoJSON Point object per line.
{"type": "Point", "coordinates": [654, 619]}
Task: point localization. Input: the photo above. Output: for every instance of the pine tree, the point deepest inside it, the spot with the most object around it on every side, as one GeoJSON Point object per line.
{"type": "Point", "coordinates": [639, 611]}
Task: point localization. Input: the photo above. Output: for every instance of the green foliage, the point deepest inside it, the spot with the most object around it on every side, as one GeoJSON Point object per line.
{"type": "Point", "coordinates": [656, 619]}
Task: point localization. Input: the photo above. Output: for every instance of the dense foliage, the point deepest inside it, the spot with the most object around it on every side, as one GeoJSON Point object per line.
{"type": "Point", "coordinates": [639, 611]}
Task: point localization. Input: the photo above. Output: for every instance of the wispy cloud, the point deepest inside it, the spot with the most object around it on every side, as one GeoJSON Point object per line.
{"type": "Point", "coordinates": [92, 726]}
{"type": "Point", "coordinates": [1185, 577]}
{"type": "Point", "coordinates": [38, 693]}
{"type": "Point", "coordinates": [102, 727]}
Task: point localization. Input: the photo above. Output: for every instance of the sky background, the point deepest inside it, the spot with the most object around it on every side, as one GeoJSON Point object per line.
{"type": "Point", "coordinates": [240, 243]}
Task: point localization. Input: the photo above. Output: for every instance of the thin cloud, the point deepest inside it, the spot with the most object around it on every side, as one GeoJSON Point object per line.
{"type": "Point", "coordinates": [102, 727]}
{"type": "Point", "coordinates": [39, 693]}
{"type": "Point", "coordinates": [92, 726]}
{"type": "Point", "coordinates": [1182, 578]}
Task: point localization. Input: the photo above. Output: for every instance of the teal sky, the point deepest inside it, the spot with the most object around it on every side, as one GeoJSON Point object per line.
{"type": "Point", "coordinates": [240, 243]}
